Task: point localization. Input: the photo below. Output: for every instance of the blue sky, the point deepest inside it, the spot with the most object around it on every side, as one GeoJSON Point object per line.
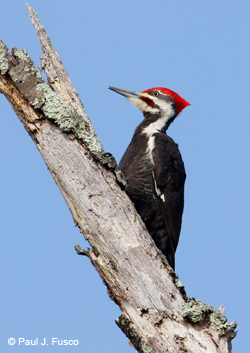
{"type": "Point", "coordinates": [201, 51]}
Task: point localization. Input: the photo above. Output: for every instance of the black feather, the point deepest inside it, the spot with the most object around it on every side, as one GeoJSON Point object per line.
{"type": "Point", "coordinates": [147, 175]}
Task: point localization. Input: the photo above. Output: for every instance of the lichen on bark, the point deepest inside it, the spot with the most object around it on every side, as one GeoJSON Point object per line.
{"type": "Point", "coordinates": [196, 311]}
{"type": "Point", "coordinates": [128, 328]}
{"type": "Point", "coordinates": [40, 95]}
{"type": "Point", "coordinates": [4, 62]}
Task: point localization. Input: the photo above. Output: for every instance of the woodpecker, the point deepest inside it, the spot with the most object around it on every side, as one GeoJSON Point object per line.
{"type": "Point", "coordinates": [153, 167]}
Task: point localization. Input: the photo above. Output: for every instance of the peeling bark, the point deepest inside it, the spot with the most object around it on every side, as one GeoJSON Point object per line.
{"type": "Point", "coordinates": [157, 316]}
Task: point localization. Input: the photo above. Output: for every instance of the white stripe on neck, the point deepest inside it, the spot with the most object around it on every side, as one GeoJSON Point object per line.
{"type": "Point", "coordinates": [159, 124]}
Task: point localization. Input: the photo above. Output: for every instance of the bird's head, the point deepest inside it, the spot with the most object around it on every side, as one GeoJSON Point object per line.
{"type": "Point", "coordinates": [156, 104]}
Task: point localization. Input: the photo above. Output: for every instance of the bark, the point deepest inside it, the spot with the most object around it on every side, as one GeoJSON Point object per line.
{"type": "Point", "coordinates": [157, 316]}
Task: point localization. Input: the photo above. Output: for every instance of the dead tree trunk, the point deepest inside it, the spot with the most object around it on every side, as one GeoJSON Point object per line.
{"type": "Point", "coordinates": [157, 316]}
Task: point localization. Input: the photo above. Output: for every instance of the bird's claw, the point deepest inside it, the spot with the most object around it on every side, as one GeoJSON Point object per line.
{"type": "Point", "coordinates": [108, 160]}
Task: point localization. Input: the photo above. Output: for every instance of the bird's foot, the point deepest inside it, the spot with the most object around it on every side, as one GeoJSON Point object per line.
{"type": "Point", "coordinates": [108, 160]}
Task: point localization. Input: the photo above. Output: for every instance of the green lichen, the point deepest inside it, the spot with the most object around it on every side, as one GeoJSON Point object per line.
{"type": "Point", "coordinates": [35, 102]}
{"type": "Point", "coordinates": [38, 74]}
{"type": "Point", "coordinates": [194, 310]}
{"type": "Point", "coordinates": [21, 55]}
{"type": "Point", "coordinates": [26, 68]}
{"type": "Point", "coordinates": [50, 102]}
{"type": "Point", "coordinates": [146, 349]}
{"type": "Point", "coordinates": [134, 336]}
{"type": "Point", "coordinates": [66, 117]}
{"type": "Point", "coordinates": [4, 63]}
{"type": "Point", "coordinates": [178, 283]}
{"type": "Point", "coordinates": [221, 321]}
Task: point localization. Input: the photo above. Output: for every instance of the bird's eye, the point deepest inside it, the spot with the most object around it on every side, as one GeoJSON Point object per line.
{"type": "Point", "coordinates": [155, 93]}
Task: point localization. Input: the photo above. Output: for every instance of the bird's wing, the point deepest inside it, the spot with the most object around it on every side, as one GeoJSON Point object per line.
{"type": "Point", "coordinates": [169, 177]}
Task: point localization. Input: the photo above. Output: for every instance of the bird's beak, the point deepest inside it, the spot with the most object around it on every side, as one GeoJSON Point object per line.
{"type": "Point", "coordinates": [127, 93]}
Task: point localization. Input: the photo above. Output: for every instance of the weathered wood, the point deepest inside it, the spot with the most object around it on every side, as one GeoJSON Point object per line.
{"type": "Point", "coordinates": [55, 71]}
{"type": "Point", "coordinates": [156, 315]}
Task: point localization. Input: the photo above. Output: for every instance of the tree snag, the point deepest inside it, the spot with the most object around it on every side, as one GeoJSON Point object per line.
{"type": "Point", "coordinates": [157, 316]}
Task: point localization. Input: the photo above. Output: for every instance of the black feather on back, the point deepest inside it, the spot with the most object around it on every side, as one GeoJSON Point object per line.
{"type": "Point", "coordinates": [169, 174]}
{"type": "Point", "coordinates": [149, 177]}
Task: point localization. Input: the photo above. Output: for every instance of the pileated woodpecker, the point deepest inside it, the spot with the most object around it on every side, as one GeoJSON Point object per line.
{"type": "Point", "coordinates": [153, 167]}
